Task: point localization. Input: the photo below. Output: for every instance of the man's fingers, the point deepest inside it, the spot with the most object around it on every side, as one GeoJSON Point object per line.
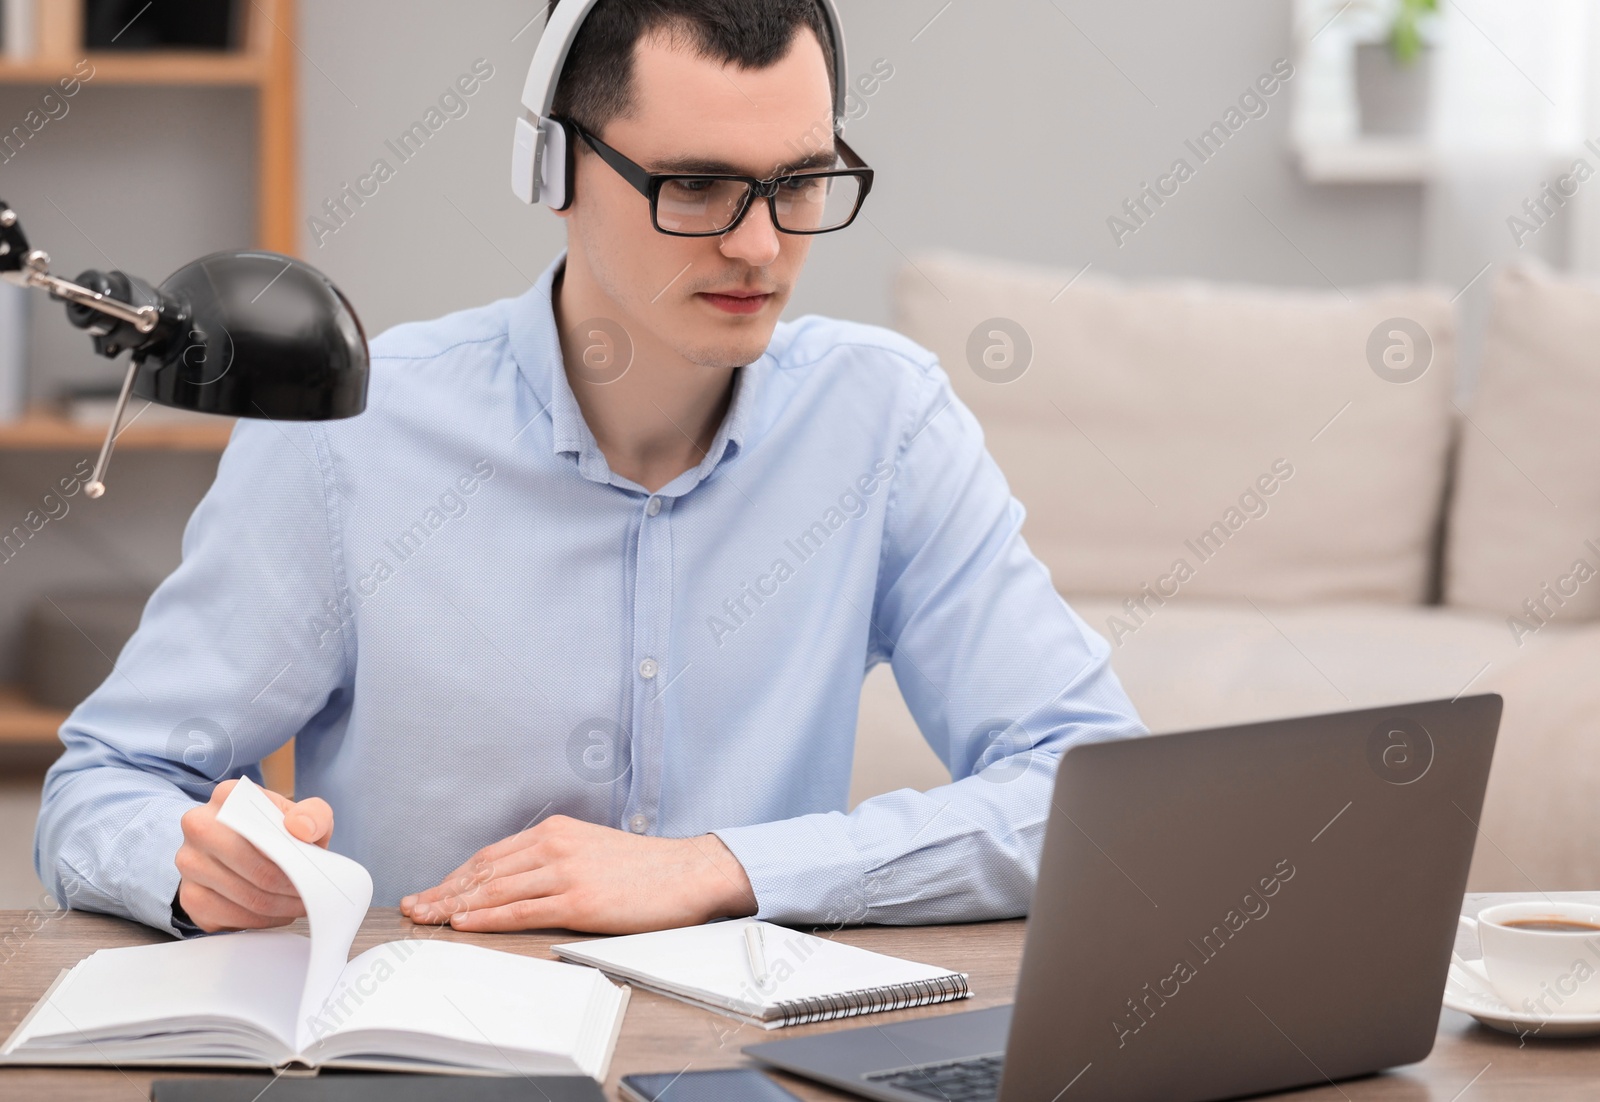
{"type": "Point", "coordinates": [452, 886]}
{"type": "Point", "coordinates": [230, 849]}
{"type": "Point", "coordinates": [544, 913]}
{"type": "Point", "coordinates": [204, 870]}
{"type": "Point", "coordinates": [499, 892]}
{"type": "Point", "coordinates": [431, 895]}
{"type": "Point", "coordinates": [310, 820]}
{"type": "Point", "coordinates": [459, 879]}
{"type": "Point", "coordinates": [506, 846]}
{"type": "Point", "coordinates": [279, 800]}
{"type": "Point", "coordinates": [211, 912]}
{"type": "Point", "coordinates": [475, 871]}
{"type": "Point", "coordinates": [233, 884]}
{"type": "Point", "coordinates": [523, 839]}
{"type": "Point", "coordinates": [518, 853]}
{"type": "Point", "coordinates": [474, 874]}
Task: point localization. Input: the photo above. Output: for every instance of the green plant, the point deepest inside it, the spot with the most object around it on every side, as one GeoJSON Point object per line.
{"type": "Point", "coordinates": [1405, 36]}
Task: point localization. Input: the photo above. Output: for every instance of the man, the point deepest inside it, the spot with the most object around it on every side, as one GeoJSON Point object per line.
{"type": "Point", "coordinates": [570, 626]}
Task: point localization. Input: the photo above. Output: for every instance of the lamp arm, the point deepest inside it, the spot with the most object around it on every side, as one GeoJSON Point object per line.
{"type": "Point", "coordinates": [140, 325]}
{"type": "Point", "coordinates": [13, 245]}
{"type": "Point", "coordinates": [36, 273]}
{"type": "Point", "coordinates": [117, 296]}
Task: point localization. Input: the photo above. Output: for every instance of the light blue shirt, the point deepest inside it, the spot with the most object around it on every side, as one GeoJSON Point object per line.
{"type": "Point", "coordinates": [467, 622]}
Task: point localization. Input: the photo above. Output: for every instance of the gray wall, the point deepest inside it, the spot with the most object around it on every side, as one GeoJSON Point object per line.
{"type": "Point", "coordinates": [1013, 128]}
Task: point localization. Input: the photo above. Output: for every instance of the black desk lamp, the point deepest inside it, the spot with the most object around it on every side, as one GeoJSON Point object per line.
{"type": "Point", "coordinates": [242, 334]}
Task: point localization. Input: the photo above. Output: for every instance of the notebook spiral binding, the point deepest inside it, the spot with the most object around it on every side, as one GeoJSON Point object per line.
{"type": "Point", "coordinates": [869, 1000]}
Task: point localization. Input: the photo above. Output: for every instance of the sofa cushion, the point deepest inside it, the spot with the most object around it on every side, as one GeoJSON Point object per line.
{"type": "Point", "coordinates": [1218, 441]}
{"type": "Point", "coordinates": [1206, 664]}
{"type": "Point", "coordinates": [1210, 663]}
{"type": "Point", "coordinates": [1540, 816]}
{"type": "Point", "coordinates": [1200, 663]}
{"type": "Point", "coordinates": [1525, 525]}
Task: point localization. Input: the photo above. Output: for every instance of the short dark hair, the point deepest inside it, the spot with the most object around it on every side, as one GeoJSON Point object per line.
{"type": "Point", "coordinates": [597, 85]}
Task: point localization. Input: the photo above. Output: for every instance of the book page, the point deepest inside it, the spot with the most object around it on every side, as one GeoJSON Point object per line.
{"type": "Point", "coordinates": [468, 1005]}
{"type": "Point", "coordinates": [336, 892]}
{"type": "Point", "coordinates": [142, 990]}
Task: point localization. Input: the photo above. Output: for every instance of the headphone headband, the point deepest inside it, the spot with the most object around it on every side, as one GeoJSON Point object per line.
{"type": "Point", "coordinates": [542, 149]}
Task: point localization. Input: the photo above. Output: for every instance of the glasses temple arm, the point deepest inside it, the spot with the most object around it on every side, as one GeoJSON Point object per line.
{"type": "Point", "coordinates": [635, 175]}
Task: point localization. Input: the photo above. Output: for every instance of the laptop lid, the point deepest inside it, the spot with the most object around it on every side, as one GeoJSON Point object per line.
{"type": "Point", "coordinates": [1249, 908]}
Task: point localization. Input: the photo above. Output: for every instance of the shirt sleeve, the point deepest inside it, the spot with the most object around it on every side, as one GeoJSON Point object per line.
{"type": "Point", "coordinates": [241, 647]}
{"type": "Point", "coordinates": [1001, 675]}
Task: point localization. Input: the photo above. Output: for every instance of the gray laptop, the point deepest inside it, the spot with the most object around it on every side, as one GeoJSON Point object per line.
{"type": "Point", "coordinates": [1218, 913]}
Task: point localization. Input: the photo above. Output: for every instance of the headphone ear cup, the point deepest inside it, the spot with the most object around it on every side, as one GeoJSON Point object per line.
{"type": "Point", "coordinates": [524, 173]}
{"type": "Point", "coordinates": [564, 161]}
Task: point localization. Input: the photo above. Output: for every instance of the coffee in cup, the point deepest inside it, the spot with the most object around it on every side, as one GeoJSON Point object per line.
{"type": "Point", "coordinates": [1542, 958]}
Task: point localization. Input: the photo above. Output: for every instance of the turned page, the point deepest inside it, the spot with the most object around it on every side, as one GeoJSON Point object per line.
{"type": "Point", "coordinates": [336, 892]}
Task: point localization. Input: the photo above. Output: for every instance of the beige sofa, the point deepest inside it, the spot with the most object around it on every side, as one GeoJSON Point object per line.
{"type": "Point", "coordinates": [1350, 535]}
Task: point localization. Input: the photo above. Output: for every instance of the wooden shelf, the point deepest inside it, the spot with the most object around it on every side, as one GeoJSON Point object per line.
{"type": "Point", "coordinates": [24, 723]}
{"type": "Point", "coordinates": [1379, 160]}
{"type": "Point", "coordinates": [264, 63]}
{"type": "Point", "coordinates": [1367, 161]}
{"type": "Point", "coordinates": [41, 430]}
{"type": "Point", "coordinates": [167, 67]}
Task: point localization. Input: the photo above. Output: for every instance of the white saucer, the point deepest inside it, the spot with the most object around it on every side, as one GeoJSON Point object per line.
{"type": "Point", "coordinates": [1468, 991]}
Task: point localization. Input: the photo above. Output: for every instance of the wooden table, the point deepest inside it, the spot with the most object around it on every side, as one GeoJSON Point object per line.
{"type": "Point", "coordinates": [1469, 1062]}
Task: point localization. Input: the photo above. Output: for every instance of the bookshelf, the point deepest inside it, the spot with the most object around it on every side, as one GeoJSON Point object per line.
{"type": "Point", "coordinates": [264, 63]}
{"type": "Point", "coordinates": [24, 723]}
{"type": "Point", "coordinates": [169, 67]}
{"type": "Point", "coordinates": [42, 431]}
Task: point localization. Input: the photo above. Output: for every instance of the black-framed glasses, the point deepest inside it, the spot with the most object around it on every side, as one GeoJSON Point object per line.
{"type": "Point", "coordinates": [707, 204]}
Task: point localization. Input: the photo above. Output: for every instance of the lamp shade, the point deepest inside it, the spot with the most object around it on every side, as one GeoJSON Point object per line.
{"type": "Point", "coordinates": [256, 334]}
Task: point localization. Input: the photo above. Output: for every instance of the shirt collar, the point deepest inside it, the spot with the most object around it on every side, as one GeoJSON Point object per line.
{"type": "Point", "coordinates": [536, 345]}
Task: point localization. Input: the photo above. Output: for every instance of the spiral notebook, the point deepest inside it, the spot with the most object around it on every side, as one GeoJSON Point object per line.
{"type": "Point", "coordinates": [808, 978]}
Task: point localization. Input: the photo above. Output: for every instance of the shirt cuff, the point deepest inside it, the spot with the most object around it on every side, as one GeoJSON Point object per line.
{"type": "Point", "coordinates": [132, 874]}
{"type": "Point", "coordinates": [804, 871]}
{"type": "Point", "coordinates": [182, 924]}
{"type": "Point", "coordinates": [148, 877]}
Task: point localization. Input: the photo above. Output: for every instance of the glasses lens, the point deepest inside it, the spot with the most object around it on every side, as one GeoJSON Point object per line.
{"type": "Point", "coordinates": [815, 203]}
{"type": "Point", "coordinates": [699, 204]}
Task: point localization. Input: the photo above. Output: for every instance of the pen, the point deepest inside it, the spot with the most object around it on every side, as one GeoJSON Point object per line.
{"type": "Point", "coordinates": [755, 949]}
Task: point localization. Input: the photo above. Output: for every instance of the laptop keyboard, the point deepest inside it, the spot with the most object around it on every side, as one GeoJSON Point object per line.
{"type": "Point", "coordinates": [975, 1079]}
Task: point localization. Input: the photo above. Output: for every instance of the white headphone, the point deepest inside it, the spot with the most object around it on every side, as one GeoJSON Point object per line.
{"type": "Point", "coordinates": [542, 150]}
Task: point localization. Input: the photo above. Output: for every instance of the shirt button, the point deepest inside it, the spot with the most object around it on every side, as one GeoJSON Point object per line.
{"type": "Point", "coordinates": [647, 668]}
{"type": "Point", "coordinates": [653, 506]}
{"type": "Point", "coordinates": [639, 824]}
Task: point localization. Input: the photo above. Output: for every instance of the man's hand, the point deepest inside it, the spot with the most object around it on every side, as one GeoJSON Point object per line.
{"type": "Point", "coordinates": [569, 874]}
{"type": "Point", "coordinates": [227, 883]}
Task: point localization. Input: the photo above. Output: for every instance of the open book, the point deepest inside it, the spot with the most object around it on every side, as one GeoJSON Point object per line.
{"type": "Point", "coordinates": [804, 978]}
{"type": "Point", "coordinates": [266, 997]}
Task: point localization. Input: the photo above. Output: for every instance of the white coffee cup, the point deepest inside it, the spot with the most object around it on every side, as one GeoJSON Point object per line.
{"type": "Point", "coordinates": [1550, 973]}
